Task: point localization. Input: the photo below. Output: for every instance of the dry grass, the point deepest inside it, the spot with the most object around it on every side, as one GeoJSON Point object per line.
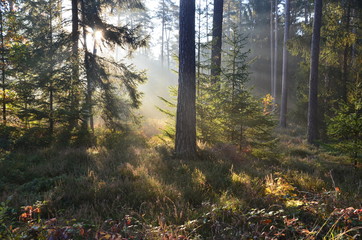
{"type": "Point", "coordinates": [143, 179]}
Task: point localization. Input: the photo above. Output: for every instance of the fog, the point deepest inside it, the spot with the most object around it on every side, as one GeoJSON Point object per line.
{"type": "Point", "coordinates": [160, 78]}
{"type": "Point", "coordinates": [159, 81]}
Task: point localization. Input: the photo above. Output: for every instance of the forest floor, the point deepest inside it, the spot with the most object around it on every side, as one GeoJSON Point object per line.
{"type": "Point", "coordinates": [130, 187]}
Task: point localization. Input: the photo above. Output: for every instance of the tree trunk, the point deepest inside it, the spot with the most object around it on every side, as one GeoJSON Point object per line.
{"type": "Point", "coordinates": [90, 91]}
{"type": "Point", "coordinates": [11, 6]}
{"type": "Point", "coordinates": [241, 136]}
{"type": "Point", "coordinates": [3, 67]}
{"type": "Point", "coordinates": [167, 34]}
{"type": "Point", "coordinates": [185, 142]}
{"type": "Point", "coordinates": [271, 47]}
{"type": "Point", "coordinates": [345, 54]}
{"type": "Point", "coordinates": [75, 39]}
{"type": "Point", "coordinates": [163, 31]}
{"type": "Point", "coordinates": [51, 110]}
{"type": "Point", "coordinates": [283, 109]}
{"type": "Point", "coordinates": [228, 20]}
{"type": "Point", "coordinates": [207, 20]}
{"type": "Point", "coordinates": [250, 13]}
{"type": "Point", "coordinates": [51, 93]}
{"type": "Point", "coordinates": [89, 116]}
{"type": "Point", "coordinates": [60, 11]}
{"type": "Point", "coordinates": [306, 13]}
{"type": "Point", "coordinates": [117, 48]}
{"type": "Point", "coordinates": [198, 47]}
{"type": "Point", "coordinates": [74, 92]}
{"type": "Point", "coordinates": [312, 133]}
{"type": "Point", "coordinates": [216, 40]}
{"type": "Point", "coordinates": [275, 71]}
{"type": "Point", "coordinates": [240, 15]}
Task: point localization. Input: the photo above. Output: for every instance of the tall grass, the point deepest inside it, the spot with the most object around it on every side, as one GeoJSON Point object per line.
{"type": "Point", "coordinates": [225, 194]}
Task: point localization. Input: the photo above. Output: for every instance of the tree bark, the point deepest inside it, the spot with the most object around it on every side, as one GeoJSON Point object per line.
{"type": "Point", "coordinates": [87, 65]}
{"type": "Point", "coordinates": [240, 14]}
{"type": "Point", "coordinates": [199, 12]}
{"type": "Point", "coordinates": [60, 11]}
{"type": "Point", "coordinates": [228, 20]}
{"type": "Point", "coordinates": [51, 90]}
{"type": "Point", "coordinates": [75, 66]}
{"type": "Point", "coordinates": [306, 13]}
{"type": "Point", "coordinates": [75, 39]}
{"type": "Point", "coordinates": [207, 20]}
{"type": "Point", "coordinates": [216, 40]}
{"type": "Point", "coordinates": [167, 34]}
{"type": "Point", "coordinates": [284, 102]}
{"type": "Point", "coordinates": [275, 71]}
{"type": "Point", "coordinates": [3, 67]}
{"type": "Point", "coordinates": [346, 54]}
{"type": "Point", "coordinates": [312, 133]}
{"type": "Point", "coordinates": [163, 31]}
{"type": "Point", "coordinates": [271, 47]}
{"type": "Point", "coordinates": [185, 142]}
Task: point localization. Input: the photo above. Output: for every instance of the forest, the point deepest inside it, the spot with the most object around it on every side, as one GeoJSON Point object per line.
{"type": "Point", "coordinates": [180, 119]}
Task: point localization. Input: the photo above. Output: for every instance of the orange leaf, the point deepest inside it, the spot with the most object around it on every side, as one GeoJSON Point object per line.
{"type": "Point", "coordinates": [23, 217]}
{"type": "Point", "coordinates": [266, 221]}
{"type": "Point", "coordinates": [28, 208]}
{"type": "Point", "coordinates": [37, 210]}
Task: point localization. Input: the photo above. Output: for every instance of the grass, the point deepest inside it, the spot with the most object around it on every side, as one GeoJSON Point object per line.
{"type": "Point", "coordinates": [293, 192]}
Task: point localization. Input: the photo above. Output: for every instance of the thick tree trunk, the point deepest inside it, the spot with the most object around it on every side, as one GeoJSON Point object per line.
{"type": "Point", "coordinates": [284, 102]}
{"type": "Point", "coordinates": [312, 133]}
{"type": "Point", "coordinates": [216, 40]}
{"type": "Point", "coordinates": [185, 143]}
{"type": "Point", "coordinates": [89, 116]}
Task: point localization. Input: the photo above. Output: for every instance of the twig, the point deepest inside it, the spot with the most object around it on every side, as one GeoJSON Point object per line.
{"type": "Point", "coordinates": [330, 174]}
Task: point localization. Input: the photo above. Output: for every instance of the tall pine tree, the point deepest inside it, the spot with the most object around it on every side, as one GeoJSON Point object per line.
{"type": "Point", "coordinates": [185, 142]}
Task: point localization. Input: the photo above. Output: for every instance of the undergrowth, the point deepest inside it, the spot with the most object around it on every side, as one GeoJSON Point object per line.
{"type": "Point", "coordinates": [131, 188]}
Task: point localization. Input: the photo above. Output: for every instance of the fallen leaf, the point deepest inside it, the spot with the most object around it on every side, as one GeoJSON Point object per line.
{"type": "Point", "coordinates": [266, 221]}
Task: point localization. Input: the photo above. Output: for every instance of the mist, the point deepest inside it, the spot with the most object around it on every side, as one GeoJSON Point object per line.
{"type": "Point", "coordinates": [159, 81]}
